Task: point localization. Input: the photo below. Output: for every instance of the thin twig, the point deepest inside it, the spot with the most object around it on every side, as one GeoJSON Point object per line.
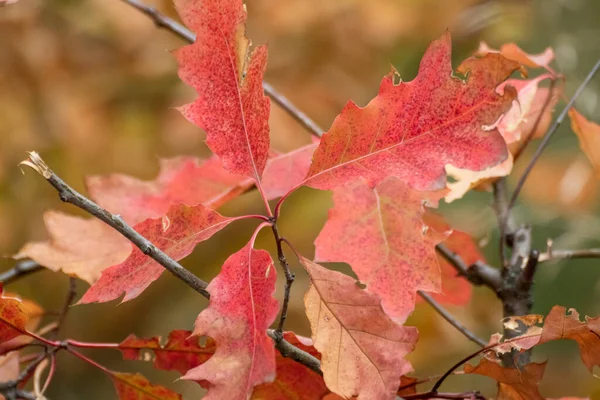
{"type": "Point", "coordinates": [289, 278]}
{"type": "Point", "coordinates": [289, 350]}
{"type": "Point", "coordinates": [478, 273]}
{"type": "Point", "coordinates": [450, 396]}
{"type": "Point", "coordinates": [549, 135]}
{"type": "Point", "coordinates": [451, 319]}
{"type": "Point", "coordinates": [69, 195]}
{"type": "Point", "coordinates": [556, 255]}
{"type": "Point", "coordinates": [21, 269]}
{"type": "Point", "coordinates": [173, 26]}
{"type": "Point", "coordinates": [71, 293]}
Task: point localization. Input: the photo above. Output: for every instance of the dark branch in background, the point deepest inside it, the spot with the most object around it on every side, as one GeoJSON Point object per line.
{"type": "Point", "coordinates": [69, 195]}
{"type": "Point", "coordinates": [478, 273]}
{"type": "Point", "coordinates": [450, 318]}
{"type": "Point", "coordinates": [167, 23]}
{"type": "Point", "coordinates": [20, 270]}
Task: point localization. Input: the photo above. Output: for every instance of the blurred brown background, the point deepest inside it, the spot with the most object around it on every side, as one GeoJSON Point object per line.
{"type": "Point", "coordinates": [90, 84]}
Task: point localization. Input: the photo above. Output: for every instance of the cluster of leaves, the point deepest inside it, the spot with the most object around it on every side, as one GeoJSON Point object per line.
{"type": "Point", "coordinates": [387, 165]}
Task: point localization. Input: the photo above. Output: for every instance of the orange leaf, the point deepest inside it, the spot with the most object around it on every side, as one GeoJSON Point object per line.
{"type": "Point", "coordinates": [362, 349]}
{"type": "Point", "coordinates": [589, 138]}
{"type": "Point", "coordinates": [12, 317]}
{"type": "Point", "coordinates": [514, 52]}
{"type": "Point", "coordinates": [513, 384]}
{"type": "Point", "coordinates": [136, 387]}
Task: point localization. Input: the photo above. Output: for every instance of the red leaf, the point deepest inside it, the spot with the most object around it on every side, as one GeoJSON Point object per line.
{"type": "Point", "coordinates": [513, 384]}
{"type": "Point", "coordinates": [241, 309]}
{"type": "Point", "coordinates": [230, 106]}
{"type": "Point", "coordinates": [177, 233]}
{"type": "Point", "coordinates": [80, 247]}
{"type": "Point", "coordinates": [186, 180]}
{"type": "Point", "coordinates": [12, 318]}
{"type": "Point", "coordinates": [557, 326]}
{"type": "Point", "coordinates": [287, 171]}
{"type": "Point", "coordinates": [180, 353]}
{"type": "Point", "coordinates": [362, 349]}
{"type": "Point", "coordinates": [293, 380]}
{"type": "Point", "coordinates": [412, 130]}
{"type": "Point", "coordinates": [380, 233]}
{"type": "Point", "coordinates": [136, 387]}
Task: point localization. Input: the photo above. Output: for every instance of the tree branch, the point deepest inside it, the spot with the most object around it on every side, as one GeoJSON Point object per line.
{"type": "Point", "coordinates": [21, 269]}
{"type": "Point", "coordinates": [173, 26]}
{"type": "Point", "coordinates": [557, 255]}
{"type": "Point", "coordinates": [451, 319]}
{"type": "Point", "coordinates": [478, 273]}
{"type": "Point", "coordinates": [289, 278]}
{"type": "Point", "coordinates": [69, 195]}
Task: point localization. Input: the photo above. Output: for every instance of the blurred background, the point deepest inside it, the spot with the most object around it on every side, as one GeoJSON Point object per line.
{"type": "Point", "coordinates": [91, 85]}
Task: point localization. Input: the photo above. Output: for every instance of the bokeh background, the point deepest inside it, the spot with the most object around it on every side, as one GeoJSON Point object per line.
{"type": "Point", "coordinates": [91, 85]}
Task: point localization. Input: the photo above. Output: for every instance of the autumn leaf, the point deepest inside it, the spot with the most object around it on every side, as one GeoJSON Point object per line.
{"type": "Point", "coordinates": [241, 309]}
{"type": "Point", "coordinates": [9, 365]}
{"type": "Point", "coordinates": [380, 233]}
{"type": "Point", "coordinates": [80, 247]}
{"type": "Point", "coordinates": [136, 387]}
{"type": "Point", "coordinates": [293, 380]}
{"type": "Point", "coordinates": [513, 383]}
{"type": "Point", "coordinates": [362, 349]}
{"type": "Point", "coordinates": [181, 352]}
{"type": "Point", "coordinates": [514, 52]}
{"type": "Point", "coordinates": [13, 317]}
{"type": "Point", "coordinates": [186, 180]}
{"type": "Point", "coordinates": [589, 137]}
{"type": "Point", "coordinates": [230, 106]}
{"type": "Point", "coordinates": [177, 234]}
{"type": "Point", "coordinates": [412, 130]}
{"type": "Point", "coordinates": [558, 325]}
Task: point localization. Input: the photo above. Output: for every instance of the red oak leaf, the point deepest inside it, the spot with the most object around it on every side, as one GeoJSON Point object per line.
{"type": "Point", "coordinates": [241, 309]}
{"type": "Point", "coordinates": [412, 130]}
{"type": "Point", "coordinates": [362, 349]}
{"type": "Point", "coordinates": [588, 134]}
{"type": "Point", "coordinates": [456, 289]}
{"type": "Point", "coordinates": [558, 325]}
{"type": "Point", "coordinates": [293, 380]}
{"type": "Point", "coordinates": [181, 353]}
{"type": "Point", "coordinates": [513, 383]}
{"type": "Point", "coordinates": [231, 106]}
{"type": "Point", "coordinates": [186, 180]}
{"type": "Point", "coordinates": [380, 233]}
{"type": "Point", "coordinates": [13, 317]}
{"type": "Point", "coordinates": [177, 234]}
{"type": "Point", "coordinates": [514, 52]}
{"type": "Point", "coordinates": [136, 387]}
{"type": "Point", "coordinates": [287, 171]}
{"type": "Point", "coordinates": [80, 247]}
